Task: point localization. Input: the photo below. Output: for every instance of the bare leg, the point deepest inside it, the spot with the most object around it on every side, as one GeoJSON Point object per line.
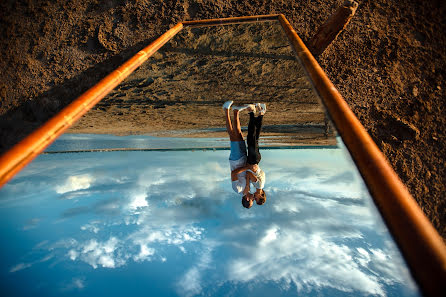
{"type": "Point", "coordinates": [228, 123]}
{"type": "Point", "coordinates": [238, 129]}
{"type": "Point", "coordinates": [229, 128]}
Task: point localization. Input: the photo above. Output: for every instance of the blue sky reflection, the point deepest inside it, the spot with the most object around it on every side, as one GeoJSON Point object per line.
{"type": "Point", "coordinates": [168, 223]}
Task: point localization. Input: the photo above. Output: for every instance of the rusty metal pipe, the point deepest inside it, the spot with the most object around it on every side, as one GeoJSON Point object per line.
{"type": "Point", "coordinates": [229, 21]}
{"type": "Point", "coordinates": [26, 150]}
{"type": "Point", "coordinates": [331, 29]}
{"type": "Point", "coordinates": [421, 245]}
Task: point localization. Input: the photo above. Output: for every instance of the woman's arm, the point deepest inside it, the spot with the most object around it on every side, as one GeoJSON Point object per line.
{"type": "Point", "coordinates": [253, 167]}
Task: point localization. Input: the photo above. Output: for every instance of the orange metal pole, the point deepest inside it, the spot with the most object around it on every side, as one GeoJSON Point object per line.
{"type": "Point", "coordinates": [233, 20]}
{"type": "Point", "coordinates": [418, 240]}
{"type": "Point", "coordinates": [330, 30]}
{"type": "Point", "coordinates": [26, 150]}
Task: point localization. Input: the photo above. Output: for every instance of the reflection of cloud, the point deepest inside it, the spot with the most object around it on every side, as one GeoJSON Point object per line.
{"type": "Point", "coordinates": [346, 177]}
{"type": "Point", "coordinates": [23, 265]}
{"type": "Point", "coordinates": [20, 266]}
{"type": "Point", "coordinates": [291, 257]}
{"type": "Point", "coordinates": [98, 253]}
{"type": "Point", "coordinates": [138, 201]}
{"type": "Point", "coordinates": [114, 252]}
{"type": "Point", "coordinates": [77, 283]}
{"type": "Point", "coordinates": [301, 244]}
{"type": "Point", "coordinates": [276, 174]}
{"type": "Point", "coordinates": [190, 283]}
{"type": "Point", "coordinates": [31, 224]}
{"type": "Point", "coordinates": [144, 253]}
{"type": "Point", "coordinates": [270, 236]}
{"type": "Point", "coordinates": [92, 227]}
{"type": "Point", "coordinates": [170, 234]}
{"type": "Point", "coordinates": [305, 242]}
{"type": "Point", "coordinates": [73, 254]}
{"type": "Point", "coordinates": [385, 264]}
{"type": "Point", "coordinates": [110, 206]}
{"type": "Point", "coordinates": [75, 211]}
{"type": "Point", "coordinates": [74, 195]}
{"type": "Point", "coordinates": [315, 233]}
{"type": "Point", "coordinates": [74, 183]}
{"type": "Point", "coordinates": [41, 244]}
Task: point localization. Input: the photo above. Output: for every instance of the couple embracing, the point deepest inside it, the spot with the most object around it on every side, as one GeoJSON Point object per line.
{"type": "Point", "coordinates": [245, 166]}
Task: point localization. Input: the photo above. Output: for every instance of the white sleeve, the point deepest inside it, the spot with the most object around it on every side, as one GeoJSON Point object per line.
{"type": "Point", "coordinates": [239, 185]}
{"type": "Point", "coordinates": [262, 179]}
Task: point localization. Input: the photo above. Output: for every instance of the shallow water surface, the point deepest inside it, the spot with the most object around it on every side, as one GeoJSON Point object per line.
{"type": "Point", "coordinates": [151, 223]}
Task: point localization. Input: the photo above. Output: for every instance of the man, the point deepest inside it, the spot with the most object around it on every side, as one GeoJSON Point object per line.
{"type": "Point", "coordinates": [254, 173]}
{"type": "Point", "coordinates": [237, 159]}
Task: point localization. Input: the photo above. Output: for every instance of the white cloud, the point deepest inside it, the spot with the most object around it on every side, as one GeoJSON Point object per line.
{"type": "Point", "coordinates": [138, 200]}
{"type": "Point", "coordinates": [190, 283]}
{"type": "Point", "coordinates": [73, 254]}
{"type": "Point", "coordinates": [287, 205]}
{"type": "Point", "coordinates": [310, 263]}
{"type": "Point", "coordinates": [31, 224]}
{"type": "Point", "coordinates": [74, 183]}
{"type": "Point", "coordinates": [110, 245]}
{"type": "Point", "coordinates": [144, 254]}
{"type": "Point", "coordinates": [76, 283]}
{"type": "Point", "coordinates": [138, 246]}
{"type": "Point", "coordinates": [23, 265]}
{"type": "Point", "coordinates": [97, 253]}
{"type": "Point", "coordinates": [106, 261]}
{"type": "Point", "coordinates": [41, 244]}
{"type": "Point", "coordinates": [90, 246]}
{"type": "Point", "coordinates": [79, 283]}
{"type": "Point", "coordinates": [304, 249]}
{"type": "Point", "coordinates": [270, 236]}
{"type": "Point", "coordinates": [20, 266]}
{"type": "Point", "coordinates": [169, 235]}
{"type": "Point", "coordinates": [46, 258]}
{"type": "Point", "coordinates": [92, 227]}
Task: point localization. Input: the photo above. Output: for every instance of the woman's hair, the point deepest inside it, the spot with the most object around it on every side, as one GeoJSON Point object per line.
{"type": "Point", "coordinates": [245, 202]}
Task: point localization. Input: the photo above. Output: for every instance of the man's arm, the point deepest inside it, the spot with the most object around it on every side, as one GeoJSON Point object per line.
{"type": "Point", "coordinates": [251, 176]}
{"type": "Point", "coordinates": [247, 187]}
{"type": "Point", "coordinates": [237, 171]}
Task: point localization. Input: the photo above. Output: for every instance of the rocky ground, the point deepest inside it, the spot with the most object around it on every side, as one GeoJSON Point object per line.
{"type": "Point", "coordinates": [389, 64]}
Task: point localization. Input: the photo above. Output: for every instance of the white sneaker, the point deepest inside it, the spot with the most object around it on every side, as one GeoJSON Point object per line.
{"type": "Point", "coordinates": [261, 107]}
{"type": "Point", "coordinates": [227, 104]}
{"type": "Point", "coordinates": [249, 107]}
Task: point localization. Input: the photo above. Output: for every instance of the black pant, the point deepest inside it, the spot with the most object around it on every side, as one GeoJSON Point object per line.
{"type": "Point", "coordinates": [254, 127]}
